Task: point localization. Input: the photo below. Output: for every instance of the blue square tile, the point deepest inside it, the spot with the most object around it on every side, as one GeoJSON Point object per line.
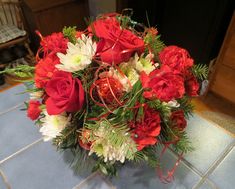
{"type": "Point", "coordinates": [41, 167]}
{"type": "Point", "coordinates": [223, 176]}
{"type": "Point", "coordinates": [209, 142]}
{"type": "Point", "coordinates": [143, 177]}
{"type": "Point", "coordinates": [11, 97]}
{"type": "Point", "coordinates": [16, 132]}
{"type": "Point", "coordinates": [94, 182]}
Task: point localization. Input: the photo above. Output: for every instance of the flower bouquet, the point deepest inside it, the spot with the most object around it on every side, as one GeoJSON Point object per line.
{"type": "Point", "coordinates": [112, 93]}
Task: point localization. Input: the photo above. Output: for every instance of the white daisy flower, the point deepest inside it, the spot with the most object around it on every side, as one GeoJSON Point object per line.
{"type": "Point", "coordinates": [53, 125]}
{"type": "Point", "coordinates": [78, 56]}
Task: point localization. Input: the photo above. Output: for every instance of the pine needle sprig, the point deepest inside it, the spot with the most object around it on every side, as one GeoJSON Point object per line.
{"type": "Point", "coordinates": [200, 71]}
{"type": "Point", "coordinates": [186, 105]}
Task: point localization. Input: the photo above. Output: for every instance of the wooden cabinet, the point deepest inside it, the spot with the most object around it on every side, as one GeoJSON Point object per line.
{"type": "Point", "coordinates": [223, 80]}
{"type": "Point", "coordinates": [49, 16]}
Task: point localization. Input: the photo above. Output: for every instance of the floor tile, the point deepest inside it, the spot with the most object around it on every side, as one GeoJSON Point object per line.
{"type": "Point", "coordinates": [143, 177]}
{"type": "Point", "coordinates": [41, 167]}
{"type": "Point", "coordinates": [16, 132]}
{"type": "Point", "coordinates": [224, 175]}
{"type": "Point", "coordinates": [95, 182]}
{"type": "Point", "coordinates": [209, 142]}
{"type": "Point", "coordinates": [11, 97]}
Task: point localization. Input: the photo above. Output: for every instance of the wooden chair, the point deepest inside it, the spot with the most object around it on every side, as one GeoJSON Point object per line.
{"type": "Point", "coordinates": [11, 18]}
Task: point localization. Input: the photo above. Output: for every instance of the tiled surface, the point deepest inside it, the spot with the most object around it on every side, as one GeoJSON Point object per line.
{"type": "Point", "coordinates": [40, 167]}
{"type": "Point", "coordinates": [16, 132]}
{"type": "Point", "coordinates": [37, 165]}
{"type": "Point", "coordinates": [209, 142]}
{"type": "Point", "coordinates": [143, 177]}
{"type": "Point", "coordinates": [9, 98]}
{"type": "Point", "coordinates": [94, 182]}
{"type": "Point", "coordinates": [224, 175]}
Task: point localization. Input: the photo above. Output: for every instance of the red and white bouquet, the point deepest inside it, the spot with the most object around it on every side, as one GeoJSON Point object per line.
{"type": "Point", "coordinates": [113, 93]}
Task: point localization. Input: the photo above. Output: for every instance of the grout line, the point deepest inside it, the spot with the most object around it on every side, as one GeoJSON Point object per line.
{"type": "Point", "coordinates": [85, 180]}
{"type": "Point", "coordinates": [108, 182]}
{"type": "Point", "coordinates": [12, 108]}
{"type": "Point", "coordinates": [4, 178]}
{"type": "Point", "coordinates": [188, 164]}
{"type": "Point", "coordinates": [215, 165]}
{"type": "Point", "coordinates": [21, 150]}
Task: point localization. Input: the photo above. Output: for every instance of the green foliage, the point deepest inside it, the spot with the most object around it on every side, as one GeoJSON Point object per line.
{"type": "Point", "coordinates": [149, 155]}
{"type": "Point", "coordinates": [22, 71]}
{"type": "Point", "coordinates": [162, 107]}
{"type": "Point", "coordinates": [107, 168]}
{"type": "Point", "coordinates": [155, 44]}
{"type": "Point", "coordinates": [67, 139]}
{"type": "Point", "coordinates": [70, 33]}
{"type": "Point", "coordinates": [117, 136]}
{"type": "Point", "coordinates": [200, 71]}
{"type": "Point", "coordinates": [183, 145]}
{"type": "Point", "coordinates": [186, 106]}
{"type": "Point", "coordinates": [81, 160]}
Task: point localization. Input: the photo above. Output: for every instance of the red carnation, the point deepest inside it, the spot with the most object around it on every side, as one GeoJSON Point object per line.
{"type": "Point", "coordinates": [145, 132]}
{"type": "Point", "coordinates": [65, 93]}
{"type": "Point", "coordinates": [34, 110]}
{"type": "Point", "coordinates": [116, 45]}
{"type": "Point", "coordinates": [176, 58]}
{"type": "Point", "coordinates": [54, 43]}
{"type": "Point", "coordinates": [44, 70]}
{"type": "Point", "coordinates": [191, 85]}
{"type": "Point", "coordinates": [162, 84]}
{"type": "Point", "coordinates": [178, 120]}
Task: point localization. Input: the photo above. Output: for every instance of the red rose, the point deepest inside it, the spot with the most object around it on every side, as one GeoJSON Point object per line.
{"type": "Point", "coordinates": [191, 85]}
{"type": "Point", "coordinates": [34, 110]}
{"type": "Point", "coordinates": [145, 132]}
{"type": "Point", "coordinates": [178, 120]}
{"type": "Point", "coordinates": [44, 70]}
{"type": "Point", "coordinates": [162, 84]}
{"type": "Point", "coordinates": [116, 45]}
{"type": "Point", "coordinates": [65, 93]}
{"type": "Point", "coordinates": [176, 58]}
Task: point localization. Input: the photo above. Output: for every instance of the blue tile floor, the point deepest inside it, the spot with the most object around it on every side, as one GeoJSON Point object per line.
{"type": "Point", "coordinates": [26, 162]}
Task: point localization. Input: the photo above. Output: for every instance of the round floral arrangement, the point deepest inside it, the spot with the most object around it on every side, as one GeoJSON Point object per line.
{"type": "Point", "coordinates": [112, 93]}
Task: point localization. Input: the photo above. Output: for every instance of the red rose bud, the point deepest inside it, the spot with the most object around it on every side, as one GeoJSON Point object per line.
{"type": "Point", "coordinates": [115, 45]}
{"type": "Point", "coordinates": [145, 133]}
{"type": "Point", "coordinates": [176, 58]}
{"type": "Point", "coordinates": [178, 120]}
{"type": "Point", "coordinates": [191, 86]}
{"type": "Point", "coordinates": [34, 110]}
{"type": "Point", "coordinates": [65, 93]}
{"type": "Point", "coordinates": [162, 84]}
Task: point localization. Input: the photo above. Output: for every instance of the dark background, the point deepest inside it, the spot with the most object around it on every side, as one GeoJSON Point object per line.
{"type": "Point", "coordinates": [197, 25]}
